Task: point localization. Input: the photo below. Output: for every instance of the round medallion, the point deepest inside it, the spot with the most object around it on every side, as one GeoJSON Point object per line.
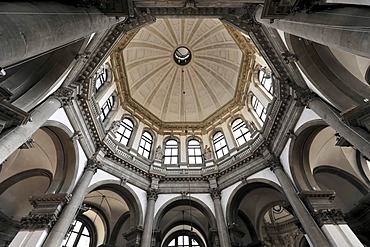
{"type": "Point", "coordinates": [182, 55]}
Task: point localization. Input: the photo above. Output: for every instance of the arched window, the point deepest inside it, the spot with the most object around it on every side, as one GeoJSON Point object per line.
{"type": "Point", "coordinates": [124, 131]}
{"type": "Point", "coordinates": [171, 152]}
{"type": "Point", "coordinates": [146, 143]}
{"type": "Point", "coordinates": [106, 108]}
{"type": "Point", "coordinates": [101, 77]}
{"type": "Point", "coordinates": [266, 80]}
{"type": "Point", "coordinates": [80, 234]}
{"type": "Point", "coordinates": [219, 144]}
{"type": "Point", "coordinates": [194, 152]}
{"type": "Point", "coordinates": [184, 241]}
{"type": "Point", "coordinates": [259, 108]}
{"type": "Point", "coordinates": [240, 131]}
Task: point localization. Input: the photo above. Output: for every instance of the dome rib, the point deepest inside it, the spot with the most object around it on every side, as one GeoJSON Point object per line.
{"type": "Point", "coordinates": [157, 80]}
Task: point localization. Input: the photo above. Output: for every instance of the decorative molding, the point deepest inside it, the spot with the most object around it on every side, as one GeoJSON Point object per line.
{"type": "Point", "coordinates": [289, 57]}
{"type": "Point", "coordinates": [358, 116]}
{"type": "Point", "coordinates": [28, 144]}
{"type": "Point", "coordinates": [133, 236]}
{"type": "Point", "coordinates": [5, 93]}
{"type": "Point", "coordinates": [11, 116]}
{"type": "Point", "coordinates": [50, 200]}
{"type": "Point", "coordinates": [77, 135]}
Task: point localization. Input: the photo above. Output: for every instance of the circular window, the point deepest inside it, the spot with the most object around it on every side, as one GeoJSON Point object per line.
{"type": "Point", "coordinates": [182, 55]}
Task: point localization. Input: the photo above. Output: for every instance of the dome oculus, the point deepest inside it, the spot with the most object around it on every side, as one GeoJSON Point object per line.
{"type": "Point", "coordinates": [182, 55]}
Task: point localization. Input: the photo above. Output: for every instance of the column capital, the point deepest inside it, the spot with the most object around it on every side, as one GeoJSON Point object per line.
{"type": "Point", "coordinates": [305, 96]}
{"type": "Point", "coordinates": [46, 210]}
{"type": "Point", "coordinates": [215, 193]}
{"type": "Point", "coordinates": [92, 164]}
{"type": "Point", "coordinates": [328, 216]}
{"type": "Point", "coordinates": [38, 221]}
{"type": "Point", "coordinates": [64, 95]}
{"type": "Point", "coordinates": [152, 194]}
{"type": "Point", "coordinates": [275, 165]}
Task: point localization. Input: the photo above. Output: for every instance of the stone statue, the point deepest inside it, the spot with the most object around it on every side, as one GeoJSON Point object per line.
{"type": "Point", "coordinates": [207, 153]}
{"type": "Point", "coordinates": [158, 153]}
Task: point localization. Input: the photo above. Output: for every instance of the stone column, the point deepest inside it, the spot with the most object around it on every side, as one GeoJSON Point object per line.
{"type": "Point", "coordinates": [317, 238]}
{"type": "Point", "coordinates": [345, 28]}
{"type": "Point", "coordinates": [149, 218]}
{"type": "Point", "coordinates": [330, 218]}
{"type": "Point", "coordinates": [223, 233]}
{"type": "Point", "coordinates": [359, 138]}
{"type": "Point", "coordinates": [335, 228]}
{"type": "Point", "coordinates": [56, 235]}
{"type": "Point", "coordinates": [19, 135]}
{"type": "Point", "coordinates": [32, 28]}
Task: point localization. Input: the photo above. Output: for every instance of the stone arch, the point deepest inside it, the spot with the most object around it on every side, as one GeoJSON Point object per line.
{"type": "Point", "coordinates": [199, 207]}
{"type": "Point", "coordinates": [327, 74]}
{"type": "Point", "coordinates": [237, 194]}
{"type": "Point", "coordinates": [119, 207]}
{"type": "Point", "coordinates": [117, 227]}
{"type": "Point", "coordinates": [306, 154]}
{"type": "Point", "coordinates": [16, 190]}
{"type": "Point", "coordinates": [66, 170]}
{"type": "Point", "coordinates": [349, 190]}
{"type": "Point", "coordinates": [298, 161]}
{"type": "Point", "coordinates": [32, 80]}
{"type": "Point", "coordinates": [126, 192]}
{"type": "Point", "coordinates": [248, 218]}
{"type": "Point", "coordinates": [182, 233]}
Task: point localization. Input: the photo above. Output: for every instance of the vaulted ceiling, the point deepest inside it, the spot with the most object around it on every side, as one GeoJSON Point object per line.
{"type": "Point", "coordinates": [182, 93]}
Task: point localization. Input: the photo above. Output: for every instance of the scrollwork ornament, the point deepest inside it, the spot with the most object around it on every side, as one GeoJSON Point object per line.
{"type": "Point", "coordinates": [64, 95]}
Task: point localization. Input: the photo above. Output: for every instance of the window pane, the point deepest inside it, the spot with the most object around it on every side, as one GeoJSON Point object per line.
{"type": "Point", "coordinates": [84, 241]}
{"type": "Point", "coordinates": [85, 231]}
{"type": "Point", "coordinates": [72, 239]}
{"type": "Point", "coordinates": [172, 243]}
